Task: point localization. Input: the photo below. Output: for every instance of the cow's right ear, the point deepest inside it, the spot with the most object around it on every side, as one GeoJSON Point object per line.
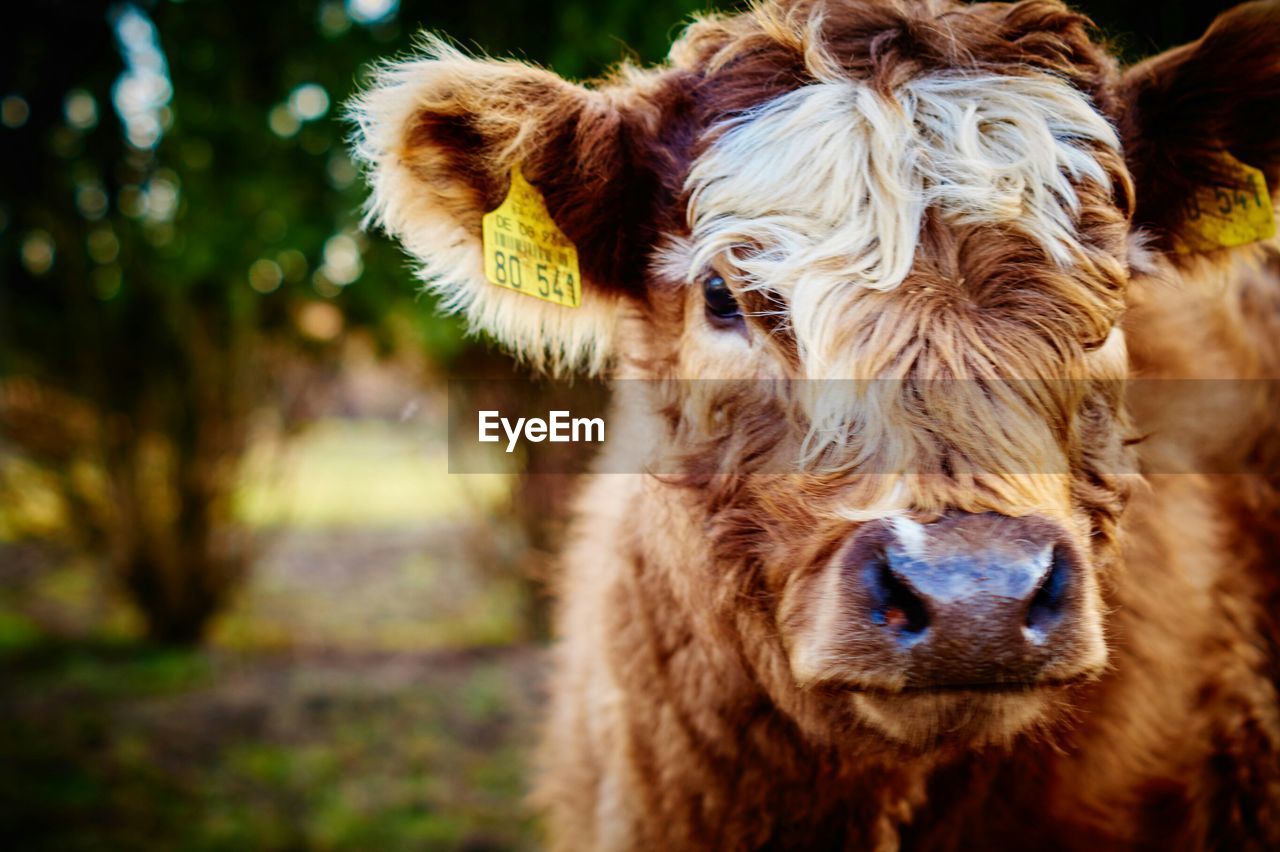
{"type": "Point", "coordinates": [440, 135]}
{"type": "Point", "coordinates": [1192, 115]}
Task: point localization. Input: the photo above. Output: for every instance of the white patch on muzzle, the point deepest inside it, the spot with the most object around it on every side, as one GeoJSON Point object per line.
{"type": "Point", "coordinates": [911, 536]}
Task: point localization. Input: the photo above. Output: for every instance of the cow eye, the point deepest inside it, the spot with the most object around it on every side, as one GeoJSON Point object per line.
{"type": "Point", "coordinates": [722, 307]}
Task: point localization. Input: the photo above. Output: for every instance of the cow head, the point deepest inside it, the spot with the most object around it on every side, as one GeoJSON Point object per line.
{"type": "Point", "coordinates": [904, 230]}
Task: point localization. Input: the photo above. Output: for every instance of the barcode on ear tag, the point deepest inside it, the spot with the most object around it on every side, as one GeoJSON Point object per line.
{"type": "Point", "coordinates": [1219, 217]}
{"type": "Point", "coordinates": [525, 251]}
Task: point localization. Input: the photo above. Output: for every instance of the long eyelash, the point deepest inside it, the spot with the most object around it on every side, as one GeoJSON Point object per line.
{"type": "Point", "coordinates": [1135, 440]}
{"type": "Point", "coordinates": [773, 314]}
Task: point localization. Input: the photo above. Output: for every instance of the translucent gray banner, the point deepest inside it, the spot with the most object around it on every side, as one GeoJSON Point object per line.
{"type": "Point", "coordinates": [1014, 426]}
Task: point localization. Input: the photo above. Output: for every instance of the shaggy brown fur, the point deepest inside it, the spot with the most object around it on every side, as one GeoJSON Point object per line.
{"type": "Point", "coordinates": [679, 718]}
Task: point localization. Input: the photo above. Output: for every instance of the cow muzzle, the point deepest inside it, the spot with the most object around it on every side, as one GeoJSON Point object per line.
{"type": "Point", "coordinates": [969, 602]}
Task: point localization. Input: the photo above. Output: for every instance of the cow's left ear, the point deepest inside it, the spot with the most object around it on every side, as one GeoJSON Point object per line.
{"type": "Point", "coordinates": [1192, 116]}
{"type": "Point", "coordinates": [446, 138]}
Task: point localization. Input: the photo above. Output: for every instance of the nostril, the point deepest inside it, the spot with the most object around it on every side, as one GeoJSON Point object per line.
{"type": "Point", "coordinates": [896, 606]}
{"type": "Point", "coordinates": [1050, 599]}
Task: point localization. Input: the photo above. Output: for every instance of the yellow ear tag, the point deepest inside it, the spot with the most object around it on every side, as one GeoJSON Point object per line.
{"type": "Point", "coordinates": [1225, 216]}
{"type": "Point", "coordinates": [525, 251]}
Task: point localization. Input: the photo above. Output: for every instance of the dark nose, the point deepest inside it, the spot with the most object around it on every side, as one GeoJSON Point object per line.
{"type": "Point", "coordinates": [972, 599]}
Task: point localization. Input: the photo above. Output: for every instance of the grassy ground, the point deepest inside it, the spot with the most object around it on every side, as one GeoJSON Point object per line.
{"type": "Point", "coordinates": [119, 746]}
{"type": "Point", "coordinates": [371, 688]}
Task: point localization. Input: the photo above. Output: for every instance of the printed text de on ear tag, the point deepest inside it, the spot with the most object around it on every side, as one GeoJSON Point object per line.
{"type": "Point", "coordinates": [1225, 216]}
{"type": "Point", "coordinates": [525, 251]}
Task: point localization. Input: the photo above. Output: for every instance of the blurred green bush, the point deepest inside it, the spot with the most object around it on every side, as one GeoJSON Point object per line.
{"type": "Point", "coordinates": [183, 230]}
